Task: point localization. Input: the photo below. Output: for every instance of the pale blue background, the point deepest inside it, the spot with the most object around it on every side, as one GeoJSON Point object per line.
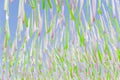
{"type": "Point", "coordinates": [13, 8]}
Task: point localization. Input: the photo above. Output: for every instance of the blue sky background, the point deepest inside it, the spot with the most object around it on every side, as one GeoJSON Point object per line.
{"type": "Point", "coordinates": [13, 12]}
{"type": "Point", "coordinates": [13, 17]}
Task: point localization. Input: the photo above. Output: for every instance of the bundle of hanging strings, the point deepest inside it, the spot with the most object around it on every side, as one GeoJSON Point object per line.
{"type": "Point", "coordinates": [59, 40]}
